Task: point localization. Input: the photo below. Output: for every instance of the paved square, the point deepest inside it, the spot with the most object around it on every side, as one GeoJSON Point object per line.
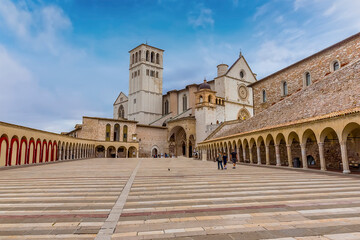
{"type": "Point", "coordinates": [86, 200]}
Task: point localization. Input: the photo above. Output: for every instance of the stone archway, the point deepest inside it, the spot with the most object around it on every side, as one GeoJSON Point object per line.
{"type": "Point", "coordinates": [177, 141]}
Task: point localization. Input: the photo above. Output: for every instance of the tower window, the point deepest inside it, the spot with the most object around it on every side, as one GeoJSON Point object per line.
{"type": "Point", "coordinates": [157, 74]}
{"type": "Point", "coordinates": [138, 72]}
{"type": "Point", "coordinates": [147, 56]}
{"type": "Point", "coordinates": [263, 96]}
{"type": "Point", "coordinates": [336, 65]}
{"type": "Point", "coordinates": [134, 100]}
{"type": "Point", "coordinates": [152, 57]}
{"type": "Point", "coordinates": [147, 72]}
{"type": "Point", "coordinates": [157, 58]}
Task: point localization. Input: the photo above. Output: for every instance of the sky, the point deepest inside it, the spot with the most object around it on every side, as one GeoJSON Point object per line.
{"type": "Point", "coordinates": [64, 59]}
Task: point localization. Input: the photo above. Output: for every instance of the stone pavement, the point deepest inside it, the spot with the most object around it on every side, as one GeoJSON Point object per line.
{"type": "Point", "coordinates": [86, 200]}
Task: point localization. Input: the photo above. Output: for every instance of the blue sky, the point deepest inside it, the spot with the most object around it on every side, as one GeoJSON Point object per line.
{"type": "Point", "coordinates": [63, 59]}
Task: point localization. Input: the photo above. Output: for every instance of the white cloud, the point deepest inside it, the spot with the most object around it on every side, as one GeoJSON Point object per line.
{"type": "Point", "coordinates": [260, 11]}
{"type": "Point", "coordinates": [201, 18]}
{"type": "Point", "coordinates": [36, 28]}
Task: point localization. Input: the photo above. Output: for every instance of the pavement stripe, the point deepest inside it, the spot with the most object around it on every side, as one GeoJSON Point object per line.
{"type": "Point", "coordinates": [110, 223]}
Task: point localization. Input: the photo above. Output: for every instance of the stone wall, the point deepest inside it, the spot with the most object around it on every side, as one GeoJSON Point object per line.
{"type": "Point", "coordinates": [318, 65]}
{"type": "Point", "coordinates": [95, 129]}
{"type": "Point", "coordinates": [152, 137]}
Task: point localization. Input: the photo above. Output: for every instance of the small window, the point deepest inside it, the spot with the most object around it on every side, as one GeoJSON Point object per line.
{"type": "Point", "coordinates": [138, 73]}
{"type": "Point", "coordinates": [336, 65]}
{"type": "Point", "coordinates": [135, 100]}
{"type": "Point", "coordinates": [263, 96]}
{"type": "Point", "coordinates": [284, 88]}
{"type": "Point", "coordinates": [242, 74]}
{"type": "Point", "coordinates": [157, 74]}
{"type": "Point", "coordinates": [135, 74]}
{"type": "Point", "coordinates": [184, 103]}
{"type": "Point", "coordinates": [152, 73]}
{"type": "Point", "coordinates": [147, 72]}
{"type": "Point", "coordinates": [307, 79]}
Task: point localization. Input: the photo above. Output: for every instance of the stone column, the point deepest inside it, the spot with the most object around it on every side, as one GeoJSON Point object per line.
{"type": "Point", "coordinates": [203, 155]}
{"type": "Point", "coordinates": [322, 156]}
{"type": "Point", "coordinates": [60, 154]}
{"type": "Point", "coordinates": [344, 157]}
{"type": "Point", "coordinates": [244, 155]}
{"type": "Point", "coordinates": [303, 155]}
{"type": "Point", "coordinates": [105, 153]}
{"type": "Point", "coordinates": [267, 151]}
{"type": "Point", "coordinates": [251, 156]}
{"type": "Point", "coordinates": [277, 154]}
{"type": "Point", "coordinates": [258, 155]}
{"type": "Point", "coordinates": [238, 154]}
{"type": "Point", "coordinates": [288, 148]}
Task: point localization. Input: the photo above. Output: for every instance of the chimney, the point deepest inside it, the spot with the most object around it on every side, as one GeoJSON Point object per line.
{"type": "Point", "coordinates": [222, 69]}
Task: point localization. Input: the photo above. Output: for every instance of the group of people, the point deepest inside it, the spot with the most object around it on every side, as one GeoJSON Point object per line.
{"type": "Point", "coordinates": [222, 158]}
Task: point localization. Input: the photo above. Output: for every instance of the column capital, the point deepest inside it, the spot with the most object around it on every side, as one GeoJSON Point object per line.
{"type": "Point", "coordinates": [288, 145]}
{"type": "Point", "coordinates": [303, 145]}
{"type": "Point", "coordinates": [320, 143]}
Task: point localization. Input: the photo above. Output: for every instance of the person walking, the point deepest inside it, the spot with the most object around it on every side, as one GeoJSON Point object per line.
{"type": "Point", "coordinates": [219, 160]}
{"type": "Point", "coordinates": [225, 160]}
{"type": "Point", "coordinates": [233, 158]}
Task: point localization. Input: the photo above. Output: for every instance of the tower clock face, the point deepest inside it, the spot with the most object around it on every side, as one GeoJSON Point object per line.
{"type": "Point", "coordinates": [243, 92]}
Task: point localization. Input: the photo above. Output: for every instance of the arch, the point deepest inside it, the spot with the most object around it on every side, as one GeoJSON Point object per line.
{"type": "Point", "coordinates": [121, 111]}
{"type": "Point", "coordinates": [132, 152]}
{"type": "Point", "coordinates": [22, 152]}
{"type": "Point", "coordinates": [270, 144]}
{"type": "Point", "coordinates": [335, 65]}
{"type": "Point", "coordinates": [100, 151]}
{"type": "Point", "coordinates": [38, 151]}
{"type": "Point", "coordinates": [243, 114]}
{"type": "Point", "coordinates": [133, 59]}
{"type": "Point", "coordinates": [351, 140]}
{"type": "Point", "coordinates": [332, 149]}
{"type": "Point", "coordinates": [157, 58]}
{"type": "Point", "coordinates": [31, 152]}
{"type": "Point", "coordinates": [111, 152]}
{"type": "Point", "coordinates": [310, 149]}
{"type": "Point", "coordinates": [136, 57]}
{"type": "Point", "coordinates": [209, 99]}
{"type": "Point", "coordinates": [4, 150]}
{"type": "Point", "coordinates": [155, 151]}
{"type": "Point", "coordinates": [152, 57]}
{"type": "Point", "coordinates": [147, 56]}
{"type": "Point", "coordinates": [14, 151]}
{"type": "Point", "coordinates": [50, 157]}
{"type": "Point", "coordinates": [122, 151]}
{"type": "Point", "coordinates": [116, 132]}
{"type": "Point", "coordinates": [201, 99]}
{"type": "Point", "coordinates": [307, 79]}
{"type": "Point", "coordinates": [140, 55]}
{"type": "Point", "coordinates": [125, 133]}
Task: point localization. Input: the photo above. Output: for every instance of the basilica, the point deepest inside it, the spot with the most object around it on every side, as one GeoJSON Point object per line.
{"type": "Point", "coordinates": [306, 115]}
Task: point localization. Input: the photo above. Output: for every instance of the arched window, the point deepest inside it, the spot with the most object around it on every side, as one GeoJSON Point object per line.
{"type": "Point", "coordinates": [166, 107]}
{"type": "Point", "coordinates": [107, 134]}
{"type": "Point", "coordinates": [284, 88]}
{"type": "Point", "coordinates": [147, 55]}
{"type": "Point", "coordinates": [263, 96]}
{"type": "Point", "coordinates": [201, 99]}
{"type": "Point", "coordinates": [121, 111]}
{"type": "Point", "coordinates": [336, 65]}
{"type": "Point", "coordinates": [307, 79]}
{"type": "Point", "coordinates": [125, 131]}
{"type": "Point", "coordinates": [136, 57]}
{"type": "Point", "coordinates": [184, 103]}
{"type": "Point", "coordinates": [139, 55]}
{"type": "Point", "coordinates": [157, 58]}
{"type": "Point", "coordinates": [133, 59]}
{"type": "Point", "coordinates": [209, 99]}
{"type": "Point", "coordinates": [116, 132]}
{"type": "Point", "coordinates": [152, 57]}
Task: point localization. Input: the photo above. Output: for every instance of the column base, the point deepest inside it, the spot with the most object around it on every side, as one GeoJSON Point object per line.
{"type": "Point", "coordinates": [323, 169]}
{"type": "Point", "coordinates": [258, 163]}
{"type": "Point", "coordinates": [346, 172]}
{"type": "Point", "coordinates": [278, 165]}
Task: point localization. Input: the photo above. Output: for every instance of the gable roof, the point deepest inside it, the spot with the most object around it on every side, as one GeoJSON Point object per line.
{"type": "Point", "coordinates": [336, 92]}
{"type": "Point", "coordinates": [123, 94]}
{"type": "Point", "coordinates": [238, 60]}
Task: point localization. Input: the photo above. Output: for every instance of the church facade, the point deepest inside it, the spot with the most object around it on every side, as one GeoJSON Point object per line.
{"type": "Point", "coordinates": [305, 115]}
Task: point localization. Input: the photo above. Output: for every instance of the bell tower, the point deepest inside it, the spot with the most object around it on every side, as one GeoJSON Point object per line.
{"type": "Point", "coordinates": [205, 110]}
{"type": "Point", "coordinates": [145, 84]}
